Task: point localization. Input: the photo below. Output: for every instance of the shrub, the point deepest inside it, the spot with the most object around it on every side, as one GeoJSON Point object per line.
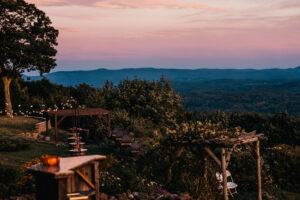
{"type": "Point", "coordinates": [13, 142]}
{"type": "Point", "coordinates": [9, 175]}
{"type": "Point", "coordinates": [283, 165]}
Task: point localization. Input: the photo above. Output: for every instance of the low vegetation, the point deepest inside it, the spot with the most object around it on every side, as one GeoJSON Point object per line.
{"type": "Point", "coordinates": [17, 124]}
{"type": "Point", "coordinates": [152, 113]}
{"type": "Point", "coordinates": [13, 133]}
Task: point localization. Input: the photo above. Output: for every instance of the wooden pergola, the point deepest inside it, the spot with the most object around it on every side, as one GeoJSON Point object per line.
{"type": "Point", "coordinates": [227, 145]}
{"type": "Point", "coordinates": [60, 115]}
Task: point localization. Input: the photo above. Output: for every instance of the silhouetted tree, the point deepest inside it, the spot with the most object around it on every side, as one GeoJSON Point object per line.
{"type": "Point", "coordinates": [27, 42]}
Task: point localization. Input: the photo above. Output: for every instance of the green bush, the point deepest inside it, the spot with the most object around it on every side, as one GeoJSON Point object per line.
{"type": "Point", "coordinates": [9, 176]}
{"type": "Point", "coordinates": [283, 165]}
{"type": "Point", "coordinates": [13, 142]}
{"type": "Point", "coordinates": [243, 169]}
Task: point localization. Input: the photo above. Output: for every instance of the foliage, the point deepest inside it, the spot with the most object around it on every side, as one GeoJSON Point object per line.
{"type": "Point", "coordinates": [12, 133]}
{"type": "Point", "coordinates": [262, 96]}
{"type": "Point", "coordinates": [26, 181]}
{"type": "Point", "coordinates": [182, 168]}
{"type": "Point", "coordinates": [280, 128]}
{"type": "Point", "coordinates": [282, 163]}
{"type": "Point", "coordinates": [13, 142]}
{"type": "Point", "coordinates": [27, 39]}
{"type": "Point", "coordinates": [152, 113]}
{"type": "Point", "coordinates": [155, 101]}
{"type": "Point", "coordinates": [243, 170]}
{"type": "Point", "coordinates": [27, 42]}
{"type": "Point", "coordinates": [203, 130]}
{"type": "Point", "coordinates": [117, 176]}
{"type": "Point", "coordinates": [9, 175]}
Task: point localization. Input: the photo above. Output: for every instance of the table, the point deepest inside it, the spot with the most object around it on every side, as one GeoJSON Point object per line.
{"type": "Point", "coordinates": [73, 175]}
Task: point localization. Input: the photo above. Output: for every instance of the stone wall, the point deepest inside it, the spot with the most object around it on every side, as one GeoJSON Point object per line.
{"type": "Point", "coordinates": [41, 126]}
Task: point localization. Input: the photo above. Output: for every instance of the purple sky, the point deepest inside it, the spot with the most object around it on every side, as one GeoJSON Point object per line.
{"type": "Point", "coordinates": [175, 33]}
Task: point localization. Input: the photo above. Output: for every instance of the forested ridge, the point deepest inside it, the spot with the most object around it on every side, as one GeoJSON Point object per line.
{"type": "Point", "coordinates": [98, 76]}
{"type": "Point", "coordinates": [260, 96]}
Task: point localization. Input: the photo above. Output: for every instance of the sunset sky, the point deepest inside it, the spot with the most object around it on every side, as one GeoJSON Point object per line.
{"type": "Point", "coordinates": [175, 33]}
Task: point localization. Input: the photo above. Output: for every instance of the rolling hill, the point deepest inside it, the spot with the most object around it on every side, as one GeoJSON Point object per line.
{"type": "Point", "coordinates": [99, 76]}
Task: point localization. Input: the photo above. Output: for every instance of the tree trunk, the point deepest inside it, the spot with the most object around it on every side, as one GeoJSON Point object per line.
{"type": "Point", "coordinates": [6, 84]}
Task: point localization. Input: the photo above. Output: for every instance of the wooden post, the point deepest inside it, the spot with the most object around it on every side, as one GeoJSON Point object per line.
{"type": "Point", "coordinates": [258, 171]}
{"type": "Point", "coordinates": [109, 125]}
{"type": "Point", "coordinates": [225, 192]}
{"type": "Point", "coordinates": [205, 172]}
{"type": "Point", "coordinates": [229, 155]}
{"type": "Point", "coordinates": [55, 127]}
{"type": "Point", "coordinates": [96, 177]}
{"type": "Point", "coordinates": [47, 125]}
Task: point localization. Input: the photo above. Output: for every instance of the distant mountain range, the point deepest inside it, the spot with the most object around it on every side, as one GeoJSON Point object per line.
{"type": "Point", "coordinates": [99, 76]}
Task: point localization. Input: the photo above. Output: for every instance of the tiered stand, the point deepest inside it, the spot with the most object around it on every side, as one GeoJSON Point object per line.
{"type": "Point", "coordinates": [75, 144]}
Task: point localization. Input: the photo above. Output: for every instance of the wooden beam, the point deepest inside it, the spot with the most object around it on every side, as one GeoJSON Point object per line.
{"type": "Point", "coordinates": [225, 192]}
{"type": "Point", "coordinates": [205, 171]}
{"type": "Point", "coordinates": [47, 125]}
{"type": "Point", "coordinates": [229, 155]}
{"type": "Point", "coordinates": [85, 179]}
{"type": "Point", "coordinates": [247, 140]}
{"type": "Point", "coordinates": [60, 120]}
{"type": "Point", "coordinates": [109, 125]}
{"type": "Point", "coordinates": [212, 155]}
{"type": "Point", "coordinates": [55, 127]}
{"type": "Point", "coordinates": [96, 178]}
{"type": "Point", "coordinates": [252, 148]}
{"type": "Point", "coordinates": [258, 171]}
{"type": "Point", "coordinates": [251, 133]}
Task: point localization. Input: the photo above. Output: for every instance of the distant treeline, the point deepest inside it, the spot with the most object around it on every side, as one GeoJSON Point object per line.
{"type": "Point", "coordinates": [99, 76]}
{"type": "Point", "coordinates": [261, 96]}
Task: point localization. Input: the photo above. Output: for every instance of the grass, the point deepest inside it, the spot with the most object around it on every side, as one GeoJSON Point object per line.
{"type": "Point", "coordinates": [11, 129]}
{"type": "Point", "coordinates": [19, 158]}
{"type": "Point", "coordinates": [17, 124]}
{"type": "Point", "coordinates": [36, 149]}
{"type": "Point", "coordinates": [10, 136]}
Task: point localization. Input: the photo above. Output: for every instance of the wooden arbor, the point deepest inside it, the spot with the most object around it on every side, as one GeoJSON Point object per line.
{"type": "Point", "coordinates": [251, 140]}
{"type": "Point", "coordinates": [60, 115]}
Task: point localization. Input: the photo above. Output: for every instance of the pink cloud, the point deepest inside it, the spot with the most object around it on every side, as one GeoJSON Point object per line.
{"type": "Point", "coordinates": [69, 29]}
{"type": "Point", "coordinates": [111, 4]}
{"type": "Point", "coordinates": [208, 42]}
{"type": "Point", "coordinates": [287, 4]}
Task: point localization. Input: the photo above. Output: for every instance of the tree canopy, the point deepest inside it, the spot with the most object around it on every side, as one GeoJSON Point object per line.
{"type": "Point", "coordinates": [27, 42]}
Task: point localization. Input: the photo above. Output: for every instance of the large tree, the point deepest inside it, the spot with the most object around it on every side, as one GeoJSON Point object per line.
{"type": "Point", "coordinates": [27, 43]}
